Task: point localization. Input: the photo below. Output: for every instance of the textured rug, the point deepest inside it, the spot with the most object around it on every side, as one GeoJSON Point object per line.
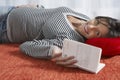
{"type": "Point", "coordinates": [14, 65]}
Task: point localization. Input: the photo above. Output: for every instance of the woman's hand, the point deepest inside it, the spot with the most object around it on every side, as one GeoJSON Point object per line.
{"type": "Point", "coordinates": [29, 5]}
{"type": "Point", "coordinates": [66, 61]}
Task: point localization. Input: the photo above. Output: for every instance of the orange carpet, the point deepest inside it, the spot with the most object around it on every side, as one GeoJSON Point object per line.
{"type": "Point", "coordinates": [15, 65]}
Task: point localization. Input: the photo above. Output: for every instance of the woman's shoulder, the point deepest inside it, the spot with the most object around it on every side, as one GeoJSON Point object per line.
{"type": "Point", "coordinates": [72, 11]}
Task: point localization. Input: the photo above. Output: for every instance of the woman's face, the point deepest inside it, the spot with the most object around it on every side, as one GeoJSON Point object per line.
{"type": "Point", "coordinates": [93, 29]}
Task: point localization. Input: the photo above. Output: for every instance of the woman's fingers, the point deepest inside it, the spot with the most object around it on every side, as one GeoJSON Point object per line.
{"type": "Point", "coordinates": [63, 59]}
{"type": "Point", "coordinates": [67, 63]}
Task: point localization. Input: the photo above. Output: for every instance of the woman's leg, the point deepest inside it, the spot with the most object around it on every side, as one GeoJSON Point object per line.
{"type": "Point", "coordinates": [4, 11]}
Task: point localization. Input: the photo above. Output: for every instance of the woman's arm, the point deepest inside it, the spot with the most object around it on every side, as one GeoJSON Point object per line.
{"type": "Point", "coordinates": [47, 49]}
{"type": "Point", "coordinates": [38, 48]}
{"type": "Point", "coordinates": [41, 48]}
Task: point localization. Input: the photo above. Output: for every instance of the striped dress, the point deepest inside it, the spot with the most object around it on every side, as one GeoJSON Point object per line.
{"type": "Point", "coordinates": [40, 30]}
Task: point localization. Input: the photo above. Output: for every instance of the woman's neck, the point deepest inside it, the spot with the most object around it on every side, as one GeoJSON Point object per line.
{"type": "Point", "coordinates": [75, 21]}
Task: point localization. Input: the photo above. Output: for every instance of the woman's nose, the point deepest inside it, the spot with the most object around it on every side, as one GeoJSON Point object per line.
{"type": "Point", "coordinates": [92, 29]}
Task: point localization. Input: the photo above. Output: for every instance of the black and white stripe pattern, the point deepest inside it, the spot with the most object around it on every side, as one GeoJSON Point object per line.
{"type": "Point", "coordinates": [42, 29]}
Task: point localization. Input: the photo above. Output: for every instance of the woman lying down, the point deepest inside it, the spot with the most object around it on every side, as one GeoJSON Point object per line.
{"type": "Point", "coordinates": [41, 31]}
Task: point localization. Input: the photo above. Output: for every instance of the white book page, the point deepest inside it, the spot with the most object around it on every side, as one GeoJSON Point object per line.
{"type": "Point", "coordinates": [88, 56]}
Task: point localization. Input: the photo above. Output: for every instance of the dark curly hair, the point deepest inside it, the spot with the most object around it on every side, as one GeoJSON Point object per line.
{"type": "Point", "coordinates": [114, 26]}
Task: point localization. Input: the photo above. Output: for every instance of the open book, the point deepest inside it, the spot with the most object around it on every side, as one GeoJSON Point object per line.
{"type": "Point", "coordinates": [88, 56]}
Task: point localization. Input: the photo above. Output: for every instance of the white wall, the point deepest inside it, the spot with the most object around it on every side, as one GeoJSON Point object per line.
{"type": "Point", "coordinates": [91, 8]}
